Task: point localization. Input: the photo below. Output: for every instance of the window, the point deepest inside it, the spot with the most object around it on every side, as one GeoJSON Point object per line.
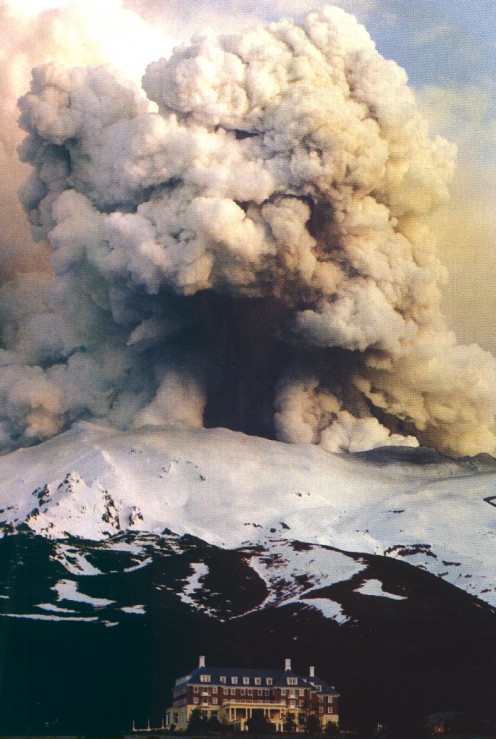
{"type": "Point", "coordinates": [234, 680]}
{"type": "Point", "coordinates": [215, 701]}
{"type": "Point", "coordinates": [249, 691]}
{"type": "Point", "coordinates": [205, 678]}
{"type": "Point", "coordinates": [302, 693]}
{"type": "Point", "coordinates": [233, 691]}
{"type": "Point", "coordinates": [196, 701]}
{"type": "Point", "coordinates": [321, 709]}
{"type": "Point", "coordinates": [196, 689]}
{"type": "Point", "coordinates": [258, 681]}
{"type": "Point", "coordinates": [260, 692]}
{"type": "Point", "coordinates": [223, 679]}
{"type": "Point", "coordinates": [292, 680]}
{"type": "Point", "coordinates": [246, 681]}
{"type": "Point", "coordinates": [283, 692]}
{"type": "Point", "coordinates": [242, 691]}
{"type": "Point", "coordinates": [269, 681]}
{"type": "Point", "coordinates": [215, 689]}
{"type": "Point", "coordinates": [267, 692]}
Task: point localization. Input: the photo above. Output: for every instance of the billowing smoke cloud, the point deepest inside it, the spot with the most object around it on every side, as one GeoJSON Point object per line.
{"type": "Point", "coordinates": [251, 253]}
{"type": "Point", "coordinates": [76, 32]}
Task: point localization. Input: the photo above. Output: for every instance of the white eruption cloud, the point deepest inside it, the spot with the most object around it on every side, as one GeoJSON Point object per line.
{"type": "Point", "coordinates": [245, 244]}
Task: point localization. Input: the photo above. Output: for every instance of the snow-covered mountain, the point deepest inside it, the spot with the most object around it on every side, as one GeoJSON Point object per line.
{"type": "Point", "coordinates": [231, 490]}
{"type": "Point", "coordinates": [124, 555]}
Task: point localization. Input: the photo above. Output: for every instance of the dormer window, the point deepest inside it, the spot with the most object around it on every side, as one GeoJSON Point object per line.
{"type": "Point", "coordinates": [205, 678]}
{"type": "Point", "coordinates": [223, 679]}
{"type": "Point", "coordinates": [292, 680]}
{"type": "Point", "coordinates": [246, 681]}
{"type": "Point", "coordinates": [269, 681]}
{"type": "Point", "coordinates": [258, 681]}
{"type": "Point", "coordinates": [234, 680]}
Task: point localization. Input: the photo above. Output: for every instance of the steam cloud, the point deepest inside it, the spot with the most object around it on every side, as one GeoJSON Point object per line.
{"type": "Point", "coordinates": [243, 246]}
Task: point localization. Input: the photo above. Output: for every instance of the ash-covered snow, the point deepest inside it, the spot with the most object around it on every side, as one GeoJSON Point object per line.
{"type": "Point", "coordinates": [233, 490]}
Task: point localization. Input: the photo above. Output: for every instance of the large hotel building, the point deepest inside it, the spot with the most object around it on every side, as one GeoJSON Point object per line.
{"type": "Point", "coordinates": [234, 695]}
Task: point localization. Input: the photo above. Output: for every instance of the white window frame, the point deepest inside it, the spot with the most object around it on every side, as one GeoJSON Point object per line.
{"type": "Point", "coordinates": [258, 681]}
{"type": "Point", "coordinates": [204, 678]}
{"type": "Point", "coordinates": [223, 679]}
{"type": "Point", "coordinates": [246, 681]}
{"type": "Point", "coordinates": [269, 681]}
{"type": "Point", "coordinates": [234, 680]}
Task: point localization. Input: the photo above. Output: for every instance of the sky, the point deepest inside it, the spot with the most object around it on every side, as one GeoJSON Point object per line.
{"type": "Point", "coordinates": [447, 50]}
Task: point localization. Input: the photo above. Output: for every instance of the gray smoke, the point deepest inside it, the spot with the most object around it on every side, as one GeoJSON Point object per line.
{"type": "Point", "coordinates": [241, 243]}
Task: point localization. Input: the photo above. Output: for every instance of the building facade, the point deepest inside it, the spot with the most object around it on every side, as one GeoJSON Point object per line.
{"type": "Point", "coordinates": [235, 695]}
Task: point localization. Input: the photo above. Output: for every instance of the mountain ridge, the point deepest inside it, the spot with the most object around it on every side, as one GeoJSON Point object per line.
{"type": "Point", "coordinates": [232, 490]}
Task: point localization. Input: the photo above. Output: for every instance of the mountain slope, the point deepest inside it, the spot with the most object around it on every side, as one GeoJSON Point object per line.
{"type": "Point", "coordinates": [88, 650]}
{"type": "Point", "coordinates": [229, 489]}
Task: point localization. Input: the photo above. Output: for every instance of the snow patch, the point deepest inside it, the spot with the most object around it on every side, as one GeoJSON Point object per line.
{"type": "Point", "coordinates": [375, 587]}
{"type": "Point", "coordinates": [193, 583]}
{"type": "Point", "coordinates": [69, 590]}
{"type": "Point", "coordinates": [138, 609]}
{"type": "Point", "coordinates": [42, 617]}
{"type": "Point", "coordinates": [328, 608]}
{"type": "Point", "coordinates": [54, 608]}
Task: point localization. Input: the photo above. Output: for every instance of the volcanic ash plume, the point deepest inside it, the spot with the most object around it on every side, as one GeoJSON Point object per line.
{"type": "Point", "coordinates": [245, 246]}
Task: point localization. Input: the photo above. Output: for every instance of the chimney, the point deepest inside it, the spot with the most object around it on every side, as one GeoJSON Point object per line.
{"type": "Point", "coordinates": [312, 671]}
{"type": "Point", "coordinates": [201, 661]}
{"type": "Point", "coordinates": [287, 665]}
